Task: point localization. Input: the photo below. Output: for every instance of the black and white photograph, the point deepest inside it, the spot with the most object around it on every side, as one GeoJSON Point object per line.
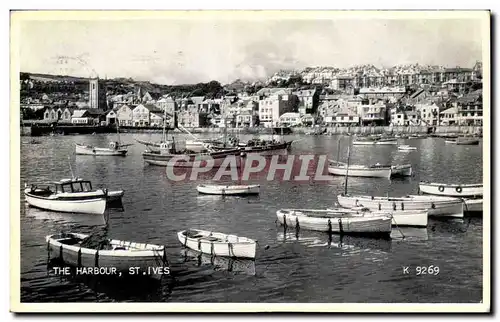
{"type": "Point", "coordinates": [250, 161]}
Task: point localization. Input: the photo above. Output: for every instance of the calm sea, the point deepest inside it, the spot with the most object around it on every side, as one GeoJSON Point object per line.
{"type": "Point", "coordinates": [290, 267]}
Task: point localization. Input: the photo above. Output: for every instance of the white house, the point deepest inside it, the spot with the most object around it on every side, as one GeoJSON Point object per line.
{"type": "Point", "coordinates": [429, 113]}
{"type": "Point", "coordinates": [141, 114]}
{"type": "Point", "coordinates": [345, 117]}
{"type": "Point", "coordinates": [124, 115]}
{"type": "Point", "coordinates": [111, 117]}
{"type": "Point", "coordinates": [290, 119]}
{"type": "Point", "coordinates": [449, 116]}
{"type": "Point", "coordinates": [271, 108]}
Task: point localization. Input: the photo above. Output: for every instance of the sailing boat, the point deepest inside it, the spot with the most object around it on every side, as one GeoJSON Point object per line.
{"type": "Point", "coordinates": [116, 148]}
{"type": "Point", "coordinates": [155, 146]}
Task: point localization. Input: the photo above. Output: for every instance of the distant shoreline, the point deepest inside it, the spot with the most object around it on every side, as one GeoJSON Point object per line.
{"type": "Point", "coordinates": [323, 130]}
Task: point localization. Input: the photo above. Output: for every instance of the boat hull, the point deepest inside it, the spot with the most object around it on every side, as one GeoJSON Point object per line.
{"type": "Point", "coordinates": [364, 225]}
{"type": "Point", "coordinates": [405, 170]}
{"type": "Point", "coordinates": [451, 190]}
{"type": "Point", "coordinates": [450, 207]}
{"type": "Point", "coordinates": [121, 261]}
{"type": "Point", "coordinates": [360, 172]}
{"type": "Point", "coordinates": [238, 247]}
{"type": "Point", "coordinates": [228, 190]}
{"type": "Point", "coordinates": [94, 206]}
{"type": "Point", "coordinates": [189, 160]}
{"type": "Point", "coordinates": [281, 148]}
{"type": "Point", "coordinates": [88, 150]}
{"type": "Point", "coordinates": [473, 205]}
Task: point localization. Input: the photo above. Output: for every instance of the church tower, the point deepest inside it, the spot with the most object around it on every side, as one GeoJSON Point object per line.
{"type": "Point", "coordinates": [97, 94]}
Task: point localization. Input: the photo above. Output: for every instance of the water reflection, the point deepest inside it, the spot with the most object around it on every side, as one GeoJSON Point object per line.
{"type": "Point", "coordinates": [219, 263]}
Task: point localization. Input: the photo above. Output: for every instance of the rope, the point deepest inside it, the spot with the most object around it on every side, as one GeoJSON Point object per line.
{"type": "Point", "coordinates": [470, 219]}
{"type": "Point", "coordinates": [341, 229]}
{"type": "Point", "coordinates": [329, 226]}
{"type": "Point", "coordinates": [397, 227]}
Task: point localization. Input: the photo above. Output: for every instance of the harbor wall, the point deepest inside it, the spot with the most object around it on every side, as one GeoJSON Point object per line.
{"type": "Point", "coordinates": [353, 130]}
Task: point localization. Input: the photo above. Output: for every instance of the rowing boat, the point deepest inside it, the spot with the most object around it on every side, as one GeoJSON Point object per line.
{"type": "Point", "coordinates": [218, 244]}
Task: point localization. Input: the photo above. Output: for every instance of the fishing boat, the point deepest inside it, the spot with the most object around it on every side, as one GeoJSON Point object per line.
{"type": "Point", "coordinates": [406, 148]}
{"type": "Point", "coordinates": [336, 222]}
{"type": "Point", "coordinates": [399, 217]}
{"type": "Point", "coordinates": [265, 147]}
{"type": "Point", "coordinates": [171, 155]}
{"type": "Point", "coordinates": [463, 141]}
{"type": "Point", "coordinates": [451, 190]}
{"type": "Point", "coordinates": [116, 148]}
{"type": "Point", "coordinates": [109, 255]}
{"type": "Point", "coordinates": [67, 195]}
{"type": "Point", "coordinates": [218, 244]}
{"type": "Point", "coordinates": [229, 190]}
{"type": "Point", "coordinates": [435, 205]}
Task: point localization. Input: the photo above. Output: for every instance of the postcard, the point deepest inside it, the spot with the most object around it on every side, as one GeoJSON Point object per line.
{"type": "Point", "coordinates": [250, 161]}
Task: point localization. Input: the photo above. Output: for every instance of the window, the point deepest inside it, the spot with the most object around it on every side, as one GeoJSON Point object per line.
{"type": "Point", "coordinates": [86, 186]}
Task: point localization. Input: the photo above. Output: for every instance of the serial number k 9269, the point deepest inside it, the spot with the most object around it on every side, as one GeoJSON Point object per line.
{"type": "Point", "coordinates": [421, 270]}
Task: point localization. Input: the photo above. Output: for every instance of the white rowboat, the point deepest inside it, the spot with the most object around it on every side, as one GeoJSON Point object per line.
{"type": "Point", "coordinates": [113, 254]}
{"type": "Point", "coordinates": [227, 190]}
{"type": "Point", "coordinates": [451, 190]}
{"type": "Point", "coordinates": [343, 223]}
{"type": "Point", "coordinates": [411, 218]}
{"type": "Point", "coordinates": [340, 169]}
{"type": "Point", "coordinates": [218, 244]}
{"type": "Point", "coordinates": [435, 205]}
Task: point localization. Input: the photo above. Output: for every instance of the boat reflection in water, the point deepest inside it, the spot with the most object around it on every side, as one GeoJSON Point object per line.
{"type": "Point", "coordinates": [59, 217]}
{"type": "Point", "coordinates": [351, 244]}
{"type": "Point", "coordinates": [410, 234]}
{"type": "Point", "coordinates": [137, 288]}
{"type": "Point", "coordinates": [233, 265]}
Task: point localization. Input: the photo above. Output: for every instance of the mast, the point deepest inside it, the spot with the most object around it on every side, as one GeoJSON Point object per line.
{"type": "Point", "coordinates": [338, 150]}
{"type": "Point", "coordinates": [164, 133]}
{"type": "Point", "coordinates": [347, 169]}
{"type": "Point", "coordinates": [118, 132]}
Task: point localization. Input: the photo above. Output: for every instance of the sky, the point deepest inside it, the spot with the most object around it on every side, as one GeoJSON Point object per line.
{"type": "Point", "coordinates": [181, 51]}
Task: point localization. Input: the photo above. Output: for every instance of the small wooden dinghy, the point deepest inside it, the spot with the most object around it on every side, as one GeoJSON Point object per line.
{"type": "Point", "coordinates": [110, 256]}
{"type": "Point", "coordinates": [336, 222]}
{"type": "Point", "coordinates": [451, 190]}
{"type": "Point", "coordinates": [218, 244]}
{"type": "Point", "coordinates": [114, 149]}
{"type": "Point", "coordinates": [401, 170]}
{"type": "Point", "coordinates": [229, 190]}
{"type": "Point", "coordinates": [406, 148]}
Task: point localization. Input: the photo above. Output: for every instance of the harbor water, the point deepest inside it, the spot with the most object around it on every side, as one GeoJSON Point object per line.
{"type": "Point", "coordinates": [290, 266]}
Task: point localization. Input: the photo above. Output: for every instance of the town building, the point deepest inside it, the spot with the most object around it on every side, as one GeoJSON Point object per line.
{"type": "Point", "coordinates": [272, 107]}
{"type": "Point", "coordinates": [125, 116]}
{"type": "Point", "coordinates": [97, 94]}
{"type": "Point", "coordinates": [448, 116]}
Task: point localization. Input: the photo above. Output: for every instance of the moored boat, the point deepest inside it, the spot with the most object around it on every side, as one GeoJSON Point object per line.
{"type": "Point", "coordinates": [265, 147]}
{"type": "Point", "coordinates": [336, 222]}
{"type": "Point", "coordinates": [399, 217]}
{"type": "Point", "coordinates": [114, 149]}
{"type": "Point", "coordinates": [451, 190]}
{"type": "Point", "coordinates": [401, 170]}
{"type": "Point", "coordinates": [108, 256]}
{"type": "Point", "coordinates": [435, 205]}
{"type": "Point", "coordinates": [69, 195]}
{"type": "Point", "coordinates": [341, 169]}
{"type": "Point", "coordinates": [386, 141]}
{"type": "Point", "coordinates": [473, 205]}
{"type": "Point", "coordinates": [463, 141]}
{"type": "Point", "coordinates": [170, 156]}
{"type": "Point", "coordinates": [229, 190]}
{"type": "Point", "coordinates": [218, 244]}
